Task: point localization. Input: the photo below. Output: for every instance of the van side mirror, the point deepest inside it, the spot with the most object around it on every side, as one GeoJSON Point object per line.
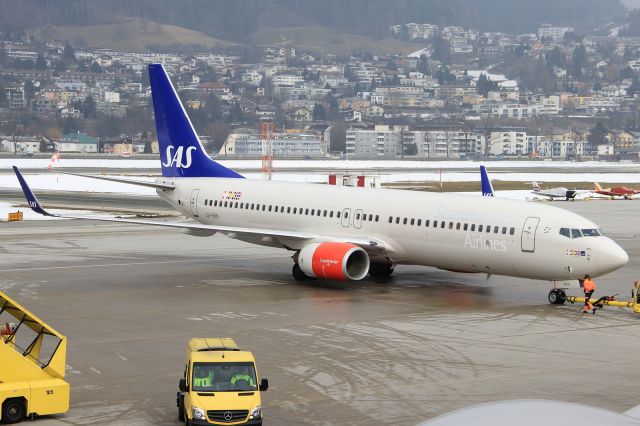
{"type": "Point", "coordinates": [182, 385]}
{"type": "Point", "coordinates": [264, 385]}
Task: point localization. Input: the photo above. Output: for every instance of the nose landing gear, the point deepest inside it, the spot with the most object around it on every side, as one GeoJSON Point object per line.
{"type": "Point", "coordinates": [557, 296]}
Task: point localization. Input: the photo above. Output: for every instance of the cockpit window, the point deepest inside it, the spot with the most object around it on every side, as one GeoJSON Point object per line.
{"type": "Point", "coordinates": [575, 233]}
{"type": "Point", "coordinates": [579, 233]}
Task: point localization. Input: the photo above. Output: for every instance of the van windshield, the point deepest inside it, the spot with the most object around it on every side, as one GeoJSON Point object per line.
{"type": "Point", "coordinates": [223, 377]}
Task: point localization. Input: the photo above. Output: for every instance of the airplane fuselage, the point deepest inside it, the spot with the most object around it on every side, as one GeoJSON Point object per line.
{"type": "Point", "coordinates": [447, 231]}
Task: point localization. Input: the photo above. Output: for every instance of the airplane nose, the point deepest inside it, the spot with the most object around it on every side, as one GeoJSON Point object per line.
{"type": "Point", "coordinates": [614, 257]}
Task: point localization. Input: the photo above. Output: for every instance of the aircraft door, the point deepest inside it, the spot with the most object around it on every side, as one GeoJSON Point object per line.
{"type": "Point", "coordinates": [345, 217]}
{"type": "Point", "coordinates": [357, 219]}
{"type": "Point", "coordinates": [529, 234]}
{"type": "Point", "coordinates": [194, 202]}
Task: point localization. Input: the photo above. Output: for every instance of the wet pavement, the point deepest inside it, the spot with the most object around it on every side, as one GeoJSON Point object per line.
{"type": "Point", "coordinates": [389, 352]}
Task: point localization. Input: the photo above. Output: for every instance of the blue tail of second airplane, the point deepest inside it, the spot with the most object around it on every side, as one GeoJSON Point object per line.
{"type": "Point", "coordinates": [181, 152]}
{"type": "Point", "coordinates": [487, 187]}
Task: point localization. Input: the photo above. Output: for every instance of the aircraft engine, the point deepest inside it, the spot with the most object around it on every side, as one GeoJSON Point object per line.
{"type": "Point", "coordinates": [334, 261]}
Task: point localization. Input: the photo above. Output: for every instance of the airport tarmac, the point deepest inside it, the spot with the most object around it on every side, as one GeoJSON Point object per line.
{"type": "Point", "coordinates": [394, 352]}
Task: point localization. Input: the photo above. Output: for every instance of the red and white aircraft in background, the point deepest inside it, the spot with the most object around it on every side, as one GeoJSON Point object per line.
{"type": "Point", "coordinates": [616, 191]}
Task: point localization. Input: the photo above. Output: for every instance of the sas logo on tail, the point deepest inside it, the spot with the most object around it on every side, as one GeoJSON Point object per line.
{"type": "Point", "coordinates": [176, 159]}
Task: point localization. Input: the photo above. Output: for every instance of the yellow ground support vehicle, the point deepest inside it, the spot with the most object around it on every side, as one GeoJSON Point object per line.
{"type": "Point", "coordinates": [220, 385]}
{"type": "Point", "coordinates": [32, 365]}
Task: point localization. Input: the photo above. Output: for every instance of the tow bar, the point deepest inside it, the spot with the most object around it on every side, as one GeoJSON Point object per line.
{"type": "Point", "coordinates": [600, 303]}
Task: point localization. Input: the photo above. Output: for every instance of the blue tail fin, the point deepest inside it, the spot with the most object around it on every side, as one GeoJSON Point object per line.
{"type": "Point", "coordinates": [487, 187]}
{"type": "Point", "coordinates": [29, 195]}
{"type": "Point", "coordinates": [181, 152]}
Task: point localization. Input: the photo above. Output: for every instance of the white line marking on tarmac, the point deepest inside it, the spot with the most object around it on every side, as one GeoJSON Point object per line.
{"type": "Point", "coordinates": [124, 264]}
{"type": "Point", "coordinates": [95, 370]}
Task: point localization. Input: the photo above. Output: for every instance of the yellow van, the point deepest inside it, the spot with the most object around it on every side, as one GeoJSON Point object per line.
{"type": "Point", "coordinates": [220, 385]}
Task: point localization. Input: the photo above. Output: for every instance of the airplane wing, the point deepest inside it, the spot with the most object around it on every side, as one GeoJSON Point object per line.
{"type": "Point", "coordinates": [371, 245]}
{"type": "Point", "coordinates": [122, 180]}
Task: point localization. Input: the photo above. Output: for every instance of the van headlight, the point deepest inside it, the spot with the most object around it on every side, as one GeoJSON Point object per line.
{"type": "Point", "coordinates": [255, 413]}
{"type": "Point", "coordinates": [197, 413]}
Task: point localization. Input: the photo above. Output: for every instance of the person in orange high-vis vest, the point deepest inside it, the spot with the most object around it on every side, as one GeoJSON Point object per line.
{"type": "Point", "coordinates": [589, 287]}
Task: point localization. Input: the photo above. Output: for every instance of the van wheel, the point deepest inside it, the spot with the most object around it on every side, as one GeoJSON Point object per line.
{"type": "Point", "coordinates": [12, 411]}
{"type": "Point", "coordinates": [181, 410]}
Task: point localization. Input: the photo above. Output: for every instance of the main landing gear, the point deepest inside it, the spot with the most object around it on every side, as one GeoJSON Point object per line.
{"type": "Point", "coordinates": [297, 273]}
{"type": "Point", "coordinates": [557, 296]}
{"type": "Point", "coordinates": [380, 269]}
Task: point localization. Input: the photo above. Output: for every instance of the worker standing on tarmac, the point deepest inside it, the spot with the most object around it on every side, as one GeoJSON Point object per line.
{"type": "Point", "coordinates": [589, 287]}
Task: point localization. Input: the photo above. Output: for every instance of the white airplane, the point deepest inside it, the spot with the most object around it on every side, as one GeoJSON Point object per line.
{"type": "Point", "coordinates": [552, 193]}
{"type": "Point", "coordinates": [346, 233]}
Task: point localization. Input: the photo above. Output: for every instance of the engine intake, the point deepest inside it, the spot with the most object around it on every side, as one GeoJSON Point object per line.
{"type": "Point", "coordinates": [334, 261]}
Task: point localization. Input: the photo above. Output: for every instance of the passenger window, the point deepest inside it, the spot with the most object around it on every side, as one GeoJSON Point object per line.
{"type": "Point", "coordinates": [377, 218]}
{"type": "Point", "coordinates": [253, 206]}
{"type": "Point", "coordinates": [324, 213]}
{"type": "Point", "coordinates": [364, 217]}
{"type": "Point", "coordinates": [404, 222]}
{"type": "Point", "coordinates": [242, 205]}
{"type": "Point", "coordinates": [331, 213]}
{"type": "Point", "coordinates": [215, 203]}
{"type": "Point", "coordinates": [346, 215]}
{"type": "Point", "coordinates": [270, 207]}
{"type": "Point", "coordinates": [443, 224]}
{"type": "Point", "coordinates": [565, 232]}
{"type": "Point", "coordinates": [397, 220]}
{"type": "Point", "coordinates": [512, 231]}
{"type": "Point", "coordinates": [450, 225]}
{"type": "Point", "coordinates": [357, 216]}
{"type": "Point", "coordinates": [338, 215]}
{"type": "Point", "coordinates": [419, 222]}
{"type": "Point", "coordinates": [318, 213]}
{"type": "Point", "coordinates": [488, 229]}
{"type": "Point", "coordinates": [264, 207]}
{"type": "Point", "coordinates": [426, 222]}
{"type": "Point", "coordinates": [313, 212]}
{"type": "Point", "coordinates": [390, 219]}
{"type": "Point", "coordinates": [458, 226]}
{"type": "Point", "coordinates": [466, 226]}
{"type": "Point", "coordinates": [496, 229]}
{"type": "Point", "coordinates": [370, 218]}
{"type": "Point", "coordinates": [413, 221]}
{"type": "Point", "coordinates": [480, 228]}
{"type": "Point", "coordinates": [504, 230]}
{"type": "Point", "coordinates": [225, 204]}
{"type": "Point", "coordinates": [295, 210]}
{"type": "Point", "coordinates": [288, 210]}
{"type": "Point", "coordinates": [435, 223]}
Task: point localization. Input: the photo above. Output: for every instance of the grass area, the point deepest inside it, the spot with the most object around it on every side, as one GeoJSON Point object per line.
{"type": "Point", "coordinates": [131, 35]}
{"type": "Point", "coordinates": [318, 39]}
{"type": "Point", "coordinates": [498, 185]}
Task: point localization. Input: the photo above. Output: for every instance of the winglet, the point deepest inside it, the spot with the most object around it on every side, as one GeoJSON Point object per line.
{"type": "Point", "coordinates": [597, 185]}
{"type": "Point", "coordinates": [29, 195]}
{"type": "Point", "coordinates": [487, 187]}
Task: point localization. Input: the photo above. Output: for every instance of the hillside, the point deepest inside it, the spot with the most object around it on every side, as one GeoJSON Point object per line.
{"type": "Point", "coordinates": [133, 35]}
{"type": "Point", "coordinates": [241, 20]}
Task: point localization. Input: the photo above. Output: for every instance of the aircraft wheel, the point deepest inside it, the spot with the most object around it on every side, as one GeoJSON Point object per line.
{"type": "Point", "coordinates": [297, 273]}
{"type": "Point", "coordinates": [381, 269]}
{"type": "Point", "coordinates": [557, 297]}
